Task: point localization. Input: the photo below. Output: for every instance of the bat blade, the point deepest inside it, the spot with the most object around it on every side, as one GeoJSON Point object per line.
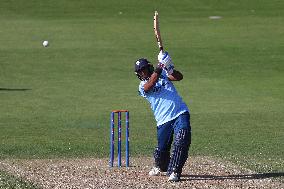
{"type": "Point", "coordinates": [157, 31]}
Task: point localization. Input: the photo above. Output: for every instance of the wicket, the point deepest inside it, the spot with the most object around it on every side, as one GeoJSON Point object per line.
{"type": "Point", "coordinates": [119, 139]}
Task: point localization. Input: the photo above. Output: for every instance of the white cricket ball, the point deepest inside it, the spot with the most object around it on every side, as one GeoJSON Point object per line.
{"type": "Point", "coordinates": [45, 43]}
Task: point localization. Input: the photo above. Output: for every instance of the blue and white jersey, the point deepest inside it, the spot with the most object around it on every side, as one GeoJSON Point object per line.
{"type": "Point", "coordinates": [164, 99]}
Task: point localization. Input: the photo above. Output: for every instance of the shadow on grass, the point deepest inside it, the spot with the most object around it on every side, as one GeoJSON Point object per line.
{"type": "Point", "coordinates": [10, 89]}
{"type": "Point", "coordinates": [233, 177]}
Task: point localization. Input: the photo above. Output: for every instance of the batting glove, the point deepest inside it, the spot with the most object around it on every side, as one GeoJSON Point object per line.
{"type": "Point", "coordinates": [165, 62]}
{"type": "Point", "coordinates": [164, 58]}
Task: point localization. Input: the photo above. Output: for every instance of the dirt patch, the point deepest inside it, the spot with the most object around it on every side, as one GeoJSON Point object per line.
{"type": "Point", "coordinates": [199, 172]}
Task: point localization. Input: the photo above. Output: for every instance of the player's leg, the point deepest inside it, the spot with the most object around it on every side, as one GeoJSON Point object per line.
{"type": "Point", "coordinates": [162, 151]}
{"type": "Point", "coordinates": [181, 146]}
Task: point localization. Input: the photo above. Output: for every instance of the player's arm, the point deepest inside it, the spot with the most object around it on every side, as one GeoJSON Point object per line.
{"type": "Point", "coordinates": [166, 63]}
{"type": "Point", "coordinates": [175, 76]}
{"type": "Point", "coordinates": [153, 79]}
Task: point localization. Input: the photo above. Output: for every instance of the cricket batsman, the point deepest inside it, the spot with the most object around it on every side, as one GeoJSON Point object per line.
{"type": "Point", "coordinates": [170, 112]}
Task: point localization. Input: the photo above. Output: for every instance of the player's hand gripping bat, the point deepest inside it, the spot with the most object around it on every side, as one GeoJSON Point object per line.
{"type": "Point", "coordinates": [157, 31]}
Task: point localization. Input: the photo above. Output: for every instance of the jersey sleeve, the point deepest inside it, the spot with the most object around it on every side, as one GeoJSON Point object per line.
{"type": "Point", "coordinates": [164, 74]}
{"type": "Point", "coordinates": [141, 90]}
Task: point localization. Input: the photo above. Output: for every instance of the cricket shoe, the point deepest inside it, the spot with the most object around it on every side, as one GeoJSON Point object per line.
{"type": "Point", "coordinates": [173, 177]}
{"type": "Point", "coordinates": [155, 171]}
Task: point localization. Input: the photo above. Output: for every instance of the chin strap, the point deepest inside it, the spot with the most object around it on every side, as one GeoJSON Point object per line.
{"type": "Point", "coordinates": [139, 76]}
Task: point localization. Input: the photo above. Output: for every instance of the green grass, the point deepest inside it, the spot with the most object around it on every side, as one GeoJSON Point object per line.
{"type": "Point", "coordinates": [56, 101]}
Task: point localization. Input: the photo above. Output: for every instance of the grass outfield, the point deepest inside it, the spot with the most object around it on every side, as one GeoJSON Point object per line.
{"type": "Point", "coordinates": [56, 101]}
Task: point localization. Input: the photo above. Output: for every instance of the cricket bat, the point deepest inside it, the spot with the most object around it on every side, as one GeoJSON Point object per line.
{"type": "Point", "coordinates": [157, 31]}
